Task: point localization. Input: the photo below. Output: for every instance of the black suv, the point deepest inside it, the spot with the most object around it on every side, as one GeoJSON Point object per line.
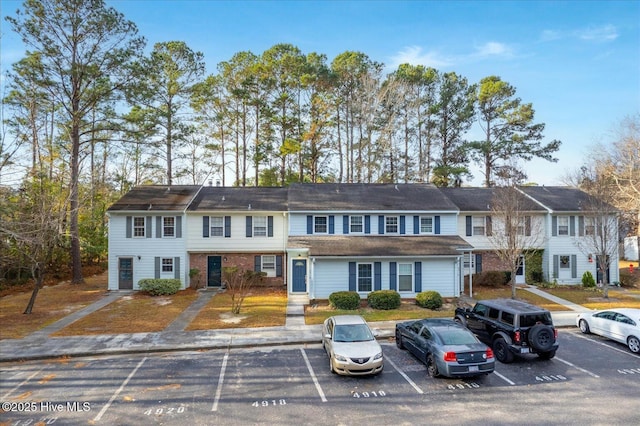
{"type": "Point", "coordinates": [511, 327]}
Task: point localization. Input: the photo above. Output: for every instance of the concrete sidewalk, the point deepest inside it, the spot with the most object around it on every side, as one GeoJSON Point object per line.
{"type": "Point", "coordinates": [40, 345]}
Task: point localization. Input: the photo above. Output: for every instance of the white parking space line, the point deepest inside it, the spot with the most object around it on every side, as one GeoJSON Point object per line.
{"type": "Point", "coordinates": [313, 376]}
{"type": "Point", "coordinates": [120, 389]}
{"type": "Point", "coordinates": [411, 382]}
{"type": "Point", "coordinates": [577, 368]}
{"type": "Point", "coordinates": [605, 345]}
{"type": "Point", "coordinates": [220, 381]}
{"type": "Point", "coordinates": [503, 378]}
{"type": "Point", "coordinates": [6, 395]}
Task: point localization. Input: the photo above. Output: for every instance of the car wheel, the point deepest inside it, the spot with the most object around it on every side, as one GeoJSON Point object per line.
{"type": "Point", "coordinates": [399, 340]}
{"type": "Point", "coordinates": [541, 337]}
{"type": "Point", "coordinates": [547, 355]}
{"type": "Point", "coordinates": [634, 344]}
{"type": "Point", "coordinates": [460, 320]}
{"type": "Point", "coordinates": [584, 326]}
{"type": "Point", "coordinates": [501, 351]}
{"type": "Point", "coordinates": [432, 367]}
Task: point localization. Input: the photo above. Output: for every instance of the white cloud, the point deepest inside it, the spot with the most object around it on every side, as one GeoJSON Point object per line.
{"type": "Point", "coordinates": [414, 55]}
{"type": "Point", "coordinates": [493, 48]}
{"type": "Point", "coordinates": [598, 34]}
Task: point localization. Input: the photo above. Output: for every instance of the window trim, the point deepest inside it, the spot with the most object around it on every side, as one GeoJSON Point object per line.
{"type": "Point", "coordinates": [564, 219]}
{"type": "Point", "coordinates": [358, 277]}
{"type": "Point", "coordinates": [326, 224]}
{"type": "Point", "coordinates": [351, 231]}
{"type": "Point", "coordinates": [165, 226]}
{"type": "Point", "coordinates": [255, 227]}
{"type": "Point", "coordinates": [168, 263]}
{"type": "Point", "coordinates": [135, 227]}
{"type": "Point", "coordinates": [387, 225]}
{"type": "Point", "coordinates": [475, 225]}
{"type": "Point", "coordinates": [433, 222]}
{"type": "Point", "coordinates": [212, 227]}
{"type": "Point", "coordinates": [411, 276]}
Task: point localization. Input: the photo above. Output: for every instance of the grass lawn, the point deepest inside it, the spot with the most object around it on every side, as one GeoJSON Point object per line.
{"type": "Point", "coordinates": [484, 293]}
{"type": "Point", "coordinates": [316, 314]}
{"type": "Point", "coordinates": [52, 304]}
{"type": "Point", "coordinates": [263, 307]}
{"type": "Point", "coordinates": [592, 299]}
{"type": "Point", "coordinates": [135, 313]}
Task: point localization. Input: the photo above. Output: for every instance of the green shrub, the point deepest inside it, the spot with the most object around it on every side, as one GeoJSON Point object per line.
{"type": "Point", "coordinates": [429, 299]}
{"type": "Point", "coordinates": [159, 286]}
{"type": "Point", "coordinates": [490, 279]}
{"type": "Point", "coordinates": [346, 300]}
{"type": "Point", "coordinates": [384, 299]}
{"type": "Point", "coordinates": [587, 280]}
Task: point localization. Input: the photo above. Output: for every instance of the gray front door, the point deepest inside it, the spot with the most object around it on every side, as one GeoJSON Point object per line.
{"type": "Point", "coordinates": [125, 273]}
{"type": "Point", "coordinates": [299, 275]}
{"type": "Point", "coordinates": [214, 268]}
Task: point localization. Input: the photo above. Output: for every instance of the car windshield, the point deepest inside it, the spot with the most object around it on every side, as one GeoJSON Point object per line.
{"type": "Point", "coordinates": [454, 336]}
{"type": "Point", "coordinates": [352, 333]}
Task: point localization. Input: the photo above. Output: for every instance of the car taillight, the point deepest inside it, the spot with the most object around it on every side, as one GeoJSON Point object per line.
{"type": "Point", "coordinates": [489, 353]}
{"type": "Point", "coordinates": [516, 337]}
{"type": "Point", "coordinates": [555, 334]}
{"type": "Point", "coordinates": [450, 356]}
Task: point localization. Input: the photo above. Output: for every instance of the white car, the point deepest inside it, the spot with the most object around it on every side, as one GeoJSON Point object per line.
{"type": "Point", "coordinates": [351, 346]}
{"type": "Point", "coordinates": [621, 325]}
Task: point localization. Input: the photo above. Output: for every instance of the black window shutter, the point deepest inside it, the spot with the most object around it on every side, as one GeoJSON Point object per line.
{"type": "Point", "coordinates": [436, 225]}
{"type": "Point", "coordinates": [352, 276]}
{"type": "Point", "coordinates": [309, 224]}
{"type": "Point", "coordinates": [418, 276]}
{"type": "Point", "coordinates": [157, 267]}
{"type": "Point", "coordinates": [158, 226]}
{"type": "Point", "coordinates": [554, 226]}
{"type": "Point", "coordinates": [380, 225]}
{"type": "Point", "coordinates": [377, 276]}
{"type": "Point", "coordinates": [176, 268]}
{"type": "Point", "coordinates": [392, 275]}
{"type": "Point", "coordinates": [148, 224]}
{"type": "Point", "coordinates": [205, 226]}
{"type": "Point", "coordinates": [227, 226]}
{"type": "Point", "coordinates": [249, 226]}
{"type": "Point", "coordinates": [345, 224]}
{"type": "Point", "coordinates": [279, 266]}
{"type": "Point", "coordinates": [572, 226]}
{"type": "Point", "coordinates": [489, 226]}
{"type": "Point", "coordinates": [332, 224]}
{"type": "Point", "coordinates": [257, 263]}
{"type": "Point", "coordinates": [527, 226]}
{"type": "Point", "coordinates": [478, 263]}
{"type": "Point", "coordinates": [416, 224]}
{"type": "Point", "coordinates": [367, 224]}
{"type": "Point", "coordinates": [178, 226]}
{"type": "Point", "coordinates": [129, 227]}
{"type": "Point", "coordinates": [270, 226]}
{"type": "Point", "coordinates": [469, 231]}
{"type": "Point", "coordinates": [403, 224]}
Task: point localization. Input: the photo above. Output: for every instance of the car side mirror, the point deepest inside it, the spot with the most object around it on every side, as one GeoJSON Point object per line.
{"type": "Point", "coordinates": [327, 336]}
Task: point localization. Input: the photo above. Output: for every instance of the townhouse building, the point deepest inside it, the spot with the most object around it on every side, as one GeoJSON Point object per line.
{"type": "Point", "coordinates": [316, 239]}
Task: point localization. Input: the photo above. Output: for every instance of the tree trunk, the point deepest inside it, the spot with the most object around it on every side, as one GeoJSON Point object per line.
{"type": "Point", "coordinates": [38, 276]}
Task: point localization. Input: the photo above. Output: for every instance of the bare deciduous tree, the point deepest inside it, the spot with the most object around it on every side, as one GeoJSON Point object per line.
{"type": "Point", "coordinates": [516, 233]}
{"type": "Point", "coordinates": [238, 283]}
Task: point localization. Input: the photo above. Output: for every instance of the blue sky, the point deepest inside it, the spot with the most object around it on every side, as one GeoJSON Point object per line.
{"type": "Point", "coordinates": [577, 62]}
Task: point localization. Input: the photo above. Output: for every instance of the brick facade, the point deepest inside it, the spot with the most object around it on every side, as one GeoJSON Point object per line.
{"type": "Point", "coordinates": [244, 261]}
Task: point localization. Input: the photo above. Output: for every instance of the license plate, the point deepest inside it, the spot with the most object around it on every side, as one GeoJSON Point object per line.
{"type": "Point", "coordinates": [473, 368]}
{"type": "Point", "coordinates": [524, 350]}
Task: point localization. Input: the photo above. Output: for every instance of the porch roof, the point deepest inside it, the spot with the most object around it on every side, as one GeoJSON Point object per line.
{"type": "Point", "coordinates": [360, 246]}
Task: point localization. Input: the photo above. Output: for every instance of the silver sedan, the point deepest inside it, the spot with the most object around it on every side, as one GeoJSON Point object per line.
{"type": "Point", "coordinates": [351, 346]}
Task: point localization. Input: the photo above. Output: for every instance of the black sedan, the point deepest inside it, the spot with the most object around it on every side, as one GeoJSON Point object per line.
{"type": "Point", "coordinates": [445, 347]}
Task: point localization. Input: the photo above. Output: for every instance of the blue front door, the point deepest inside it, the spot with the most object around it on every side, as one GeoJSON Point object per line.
{"type": "Point", "coordinates": [299, 275]}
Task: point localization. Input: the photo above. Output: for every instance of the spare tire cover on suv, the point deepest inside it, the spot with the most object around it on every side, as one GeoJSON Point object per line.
{"type": "Point", "coordinates": [541, 337]}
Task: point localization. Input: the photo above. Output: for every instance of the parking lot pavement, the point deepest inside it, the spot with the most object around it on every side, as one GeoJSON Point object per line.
{"type": "Point", "coordinates": [283, 385]}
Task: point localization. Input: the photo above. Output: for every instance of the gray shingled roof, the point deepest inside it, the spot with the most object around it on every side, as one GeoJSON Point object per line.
{"type": "Point", "coordinates": [367, 197]}
{"type": "Point", "coordinates": [558, 198]}
{"type": "Point", "coordinates": [240, 198]}
{"type": "Point", "coordinates": [156, 198]}
{"type": "Point", "coordinates": [338, 245]}
{"type": "Point", "coordinates": [480, 199]}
